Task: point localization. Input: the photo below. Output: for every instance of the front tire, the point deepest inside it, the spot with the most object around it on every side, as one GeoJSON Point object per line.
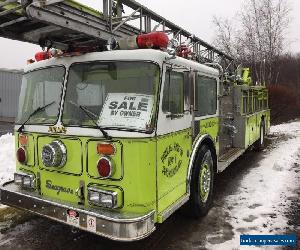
{"type": "Point", "coordinates": [202, 183]}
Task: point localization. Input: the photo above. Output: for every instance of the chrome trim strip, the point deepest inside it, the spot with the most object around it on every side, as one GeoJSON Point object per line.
{"type": "Point", "coordinates": [175, 206]}
{"type": "Point", "coordinates": [195, 147]}
{"type": "Point", "coordinates": [82, 131]}
{"type": "Point", "coordinates": [110, 224]}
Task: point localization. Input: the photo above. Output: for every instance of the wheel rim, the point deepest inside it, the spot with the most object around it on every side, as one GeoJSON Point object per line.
{"type": "Point", "coordinates": [205, 179]}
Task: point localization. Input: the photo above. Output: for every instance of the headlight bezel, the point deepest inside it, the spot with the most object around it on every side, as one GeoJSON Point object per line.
{"type": "Point", "coordinates": [93, 192]}
{"type": "Point", "coordinates": [26, 181]}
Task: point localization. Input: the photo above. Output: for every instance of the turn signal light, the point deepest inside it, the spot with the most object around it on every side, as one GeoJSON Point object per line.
{"type": "Point", "coordinates": [105, 168]}
{"type": "Point", "coordinates": [106, 149]}
{"type": "Point", "coordinates": [22, 155]}
{"type": "Point", "coordinates": [23, 140]}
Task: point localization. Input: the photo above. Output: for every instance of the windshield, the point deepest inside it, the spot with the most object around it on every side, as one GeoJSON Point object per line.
{"type": "Point", "coordinates": [113, 94]}
{"type": "Point", "coordinates": [40, 88]}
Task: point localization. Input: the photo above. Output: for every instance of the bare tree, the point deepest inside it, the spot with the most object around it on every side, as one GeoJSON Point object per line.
{"type": "Point", "coordinates": [259, 37]}
{"type": "Point", "coordinates": [225, 35]}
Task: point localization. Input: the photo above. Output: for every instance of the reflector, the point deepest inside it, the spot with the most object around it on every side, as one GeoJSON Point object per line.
{"type": "Point", "coordinates": [21, 155]}
{"type": "Point", "coordinates": [104, 167]}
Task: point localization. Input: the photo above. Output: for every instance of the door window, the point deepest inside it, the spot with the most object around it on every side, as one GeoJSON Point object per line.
{"type": "Point", "coordinates": [206, 96]}
{"type": "Point", "coordinates": [173, 100]}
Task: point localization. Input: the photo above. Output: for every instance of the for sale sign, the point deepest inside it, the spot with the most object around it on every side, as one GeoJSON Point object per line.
{"type": "Point", "coordinates": [127, 110]}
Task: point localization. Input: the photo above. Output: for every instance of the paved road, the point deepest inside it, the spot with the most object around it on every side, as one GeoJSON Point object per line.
{"type": "Point", "coordinates": [22, 231]}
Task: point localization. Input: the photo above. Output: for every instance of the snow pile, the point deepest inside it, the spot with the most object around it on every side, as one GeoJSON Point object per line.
{"type": "Point", "coordinates": [264, 194]}
{"type": "Point", "coordinates": [286, 128]}
{"type": "Point", "coordinates": [7, 157]}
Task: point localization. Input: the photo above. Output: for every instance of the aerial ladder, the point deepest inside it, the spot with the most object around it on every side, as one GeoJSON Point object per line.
{"type": "Point", "coordinates": [69, 25]}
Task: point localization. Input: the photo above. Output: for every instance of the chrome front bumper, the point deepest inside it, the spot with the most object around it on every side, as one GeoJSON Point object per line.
{"type": "Point", "coordinates": [112, 225]}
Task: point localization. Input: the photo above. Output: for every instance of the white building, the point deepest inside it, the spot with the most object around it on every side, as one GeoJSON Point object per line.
{"type": "Point", "coordinates": [10, 85]}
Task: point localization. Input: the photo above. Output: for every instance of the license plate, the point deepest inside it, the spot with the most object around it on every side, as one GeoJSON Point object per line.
{"type": "Point", "coordinates": [73, 218]}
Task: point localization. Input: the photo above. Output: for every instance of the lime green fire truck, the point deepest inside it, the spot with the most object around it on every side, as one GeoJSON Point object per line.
{"type": "Point", "coordinates": [118, 126]}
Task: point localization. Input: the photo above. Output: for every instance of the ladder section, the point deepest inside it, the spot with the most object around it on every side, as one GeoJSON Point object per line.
{"type": "Point", "coordinates": [59, 24]}
{"type": "Point", "coordinates": [148, 21]}
{"type": "Point", "coordinates": [66, 24]}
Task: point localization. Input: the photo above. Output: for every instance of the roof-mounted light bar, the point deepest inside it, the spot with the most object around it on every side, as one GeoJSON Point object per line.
{"type": "Point", "coordinates": [153, 40]}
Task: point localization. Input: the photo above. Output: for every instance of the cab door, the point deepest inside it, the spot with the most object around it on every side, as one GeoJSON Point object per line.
{"type": "Point", "coordinates": [174, 138]}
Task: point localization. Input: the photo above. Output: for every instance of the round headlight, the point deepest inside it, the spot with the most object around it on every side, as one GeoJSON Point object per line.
{"type": "Point", "coordinates": [54, 154]}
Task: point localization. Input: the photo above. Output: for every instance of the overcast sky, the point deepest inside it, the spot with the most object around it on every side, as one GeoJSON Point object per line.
{"type": "Point", "coordinates": [193, 15]}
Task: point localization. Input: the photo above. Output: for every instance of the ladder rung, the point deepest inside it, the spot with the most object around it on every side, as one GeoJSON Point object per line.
{"type": "Point", "coordinates": [18, 20]}
{"type": "Point", "coordinates": [6, 12]}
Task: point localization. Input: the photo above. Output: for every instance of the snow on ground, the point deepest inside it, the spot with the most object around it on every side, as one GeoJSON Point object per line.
{"type": "Point", "coordinates": [265, 193]}
{"type": "Point", "coordinates": [7, 158]}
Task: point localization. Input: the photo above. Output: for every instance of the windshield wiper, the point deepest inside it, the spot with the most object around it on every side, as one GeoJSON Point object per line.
{"type": "Point", "coordinates": [39, 109]}
{"type": "Point", "coordinates": [90, 114]}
